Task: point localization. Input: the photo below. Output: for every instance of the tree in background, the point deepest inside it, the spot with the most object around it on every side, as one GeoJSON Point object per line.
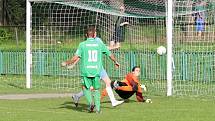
{"type": "Point", "coordinates": [12, 12]}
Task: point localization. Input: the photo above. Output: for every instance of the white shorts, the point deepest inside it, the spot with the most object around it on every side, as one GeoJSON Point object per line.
{"type": "Point", "coordinates": [103, 74]}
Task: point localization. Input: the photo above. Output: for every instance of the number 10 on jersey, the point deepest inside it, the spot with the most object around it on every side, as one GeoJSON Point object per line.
{"type": "Point", "coordinates": [92, 55]}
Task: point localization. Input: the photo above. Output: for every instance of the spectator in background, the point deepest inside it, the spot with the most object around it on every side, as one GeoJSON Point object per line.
{"type": "Point", "coordinates": [200, 8]}
{"type": "Point", "coordinates": [118, 35]}
{"type": "Point", "coordinates": [199, 24]}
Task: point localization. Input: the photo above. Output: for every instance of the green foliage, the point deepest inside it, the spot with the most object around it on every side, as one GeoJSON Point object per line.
{"type": "Point", "coordinates": [15, 10]}
{"type": "Point", "coordinates": [12, 38]}
{"type": "Point", "coordinates": [5, 35]}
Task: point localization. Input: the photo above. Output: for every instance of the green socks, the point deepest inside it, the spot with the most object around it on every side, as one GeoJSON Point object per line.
{"type": "Point", "coordinates": [88, 95]}
{"type": "Point", "coordinates": [96, 96]}
{"type": "Point", "coordinates": [97, 99]}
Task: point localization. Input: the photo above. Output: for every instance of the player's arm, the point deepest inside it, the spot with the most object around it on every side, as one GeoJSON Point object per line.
{"type": "Point", "coordinates": [74, 60]}
{"type": "Point", "coordinates": [112, 48]}
{"type": "Point", "coordinates": [112, 57]}
{"type": "Point", "coordinates": [124, 23]}
{"type": "Point", "coordinates": [134, 83]}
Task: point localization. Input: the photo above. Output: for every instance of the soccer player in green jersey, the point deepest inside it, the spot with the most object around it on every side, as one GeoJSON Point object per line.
{"type": "Point", "coordinates": [104, 76]}
{"type": "Point", "coordinates": [90, 53]}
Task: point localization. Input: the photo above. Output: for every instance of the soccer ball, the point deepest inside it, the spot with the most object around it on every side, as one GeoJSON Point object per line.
{"type": "Point", "coordinates": [161, 50]}
{"type": "Point", "coordinates": [148, 101]}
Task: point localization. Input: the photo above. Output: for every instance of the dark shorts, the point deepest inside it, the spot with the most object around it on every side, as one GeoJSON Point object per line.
{"type": "Point", "coordinates": [123, 94]}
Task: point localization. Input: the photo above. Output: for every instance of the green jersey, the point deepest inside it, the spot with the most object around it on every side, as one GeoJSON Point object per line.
{"type": "Point", "coordinates": [90, 52]}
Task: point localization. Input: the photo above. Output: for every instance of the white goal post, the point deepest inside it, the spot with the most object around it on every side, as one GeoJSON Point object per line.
{"type": "Point", "coordinates": [169, 46]}
{"type": "Point", "coordinates": [28, 44]}
{"type": "Point", "coordinates": [54, 28]}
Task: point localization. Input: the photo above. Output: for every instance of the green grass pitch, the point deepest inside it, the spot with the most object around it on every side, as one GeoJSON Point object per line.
{"type": "Point", "coordinates": [62, 109]}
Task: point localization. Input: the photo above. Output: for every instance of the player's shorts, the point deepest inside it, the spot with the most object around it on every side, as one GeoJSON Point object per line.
{"type": "Point", "coordinates": [199, 28]}
{"type": "Point", "coordinates": [91, 81]}
{"type": "Point", "coordinates": [125, 94]}
{"type": "Point", "coordinates": [103, 74]}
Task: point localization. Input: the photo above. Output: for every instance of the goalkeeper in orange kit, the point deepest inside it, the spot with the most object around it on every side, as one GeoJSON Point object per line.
{"type": "Point", "coordinates": [129, 86]}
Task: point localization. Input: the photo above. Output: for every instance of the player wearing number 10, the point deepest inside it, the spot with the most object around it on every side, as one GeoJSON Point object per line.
{"type": "Point", "coordinates": [90, 53]}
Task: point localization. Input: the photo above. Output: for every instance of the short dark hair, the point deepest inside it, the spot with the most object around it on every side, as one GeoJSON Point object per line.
{"type": "Point", "coordinates": [133, 69]}
{"type": "Point", "coordinates": [91, 31]}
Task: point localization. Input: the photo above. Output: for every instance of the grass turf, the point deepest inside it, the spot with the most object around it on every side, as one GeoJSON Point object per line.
{"type": "Point", "coordinates": [62, 109]}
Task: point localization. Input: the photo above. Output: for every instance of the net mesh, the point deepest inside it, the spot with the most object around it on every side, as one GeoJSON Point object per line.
{"type": "Point", "coordinates": [59, 26]}
{"type": "Point", "coordinates": [194, 40]}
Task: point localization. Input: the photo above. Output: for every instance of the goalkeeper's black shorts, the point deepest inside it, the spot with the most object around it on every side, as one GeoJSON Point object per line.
{"type": "Point", "coordinates": [125, 94]}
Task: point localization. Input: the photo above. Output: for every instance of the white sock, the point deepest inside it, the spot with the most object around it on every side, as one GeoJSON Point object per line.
{"type": "Point", "coordinates": [110, 94]}
{"type": "Point", "coordinates": [80, 94]}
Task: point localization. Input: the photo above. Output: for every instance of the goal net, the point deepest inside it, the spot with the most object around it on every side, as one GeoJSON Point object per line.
{"type": "Point", "coordinates": [194, 47]}
{"type": "Point", "coordinates": [138, 27]}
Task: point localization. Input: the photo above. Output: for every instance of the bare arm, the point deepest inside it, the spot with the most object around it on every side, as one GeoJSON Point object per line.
{"type": "Point", "coordinates": [112, 57]}
{"type": "Point", "coordinates": [74, 60]}
{"type": "Point", "coordinates": [112, 48]}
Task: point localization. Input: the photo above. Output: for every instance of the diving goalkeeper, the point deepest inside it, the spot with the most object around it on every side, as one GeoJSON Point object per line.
{"type": "Point", "coordinates": [129, 86]}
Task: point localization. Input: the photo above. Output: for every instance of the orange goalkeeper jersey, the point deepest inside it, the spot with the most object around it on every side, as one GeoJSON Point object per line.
{"type": "Point", "coordinates": [130, 78]}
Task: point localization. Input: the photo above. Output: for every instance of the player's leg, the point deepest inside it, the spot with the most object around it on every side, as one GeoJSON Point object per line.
{"type": "Point", "coordinates": [201, 29]}
{"type": "Point", "coordinates": [104, 93]}
{"type": "Point", "coordinates": [124, 93]}
{"type": "Point", "coordinates": [96, 86]}
{"type": "Point", "coordinates": [198, 29]}
{"type": "Point", "coordinates": [114, 43]}
{"type": "Point", "coordinates": [76, 97]}
{"type": "Point", "coordinates": [121, 86]}
{"type": "Point", "coordinates": [108, 89]}
{"type": "Point", "coordinates": [112, 40]}
{"type": "Point", "coordinates": [118, 37]}
{"type": "Point", "coordinates": [87, 84]}
{"type": "Point", "coordinates": [125, 88]}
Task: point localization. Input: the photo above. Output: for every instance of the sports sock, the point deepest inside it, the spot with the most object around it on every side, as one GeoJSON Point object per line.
{"type": "Point", "coordinates": [88, 95]}
{"type": "Point", "coordinates": [110, 94]}
{"type": "Point", "coordinates": [80, 94]}
{"type": "Point", "coordinates": [97, 99]}
{"type": "Point", "coordinates": [104, 93]}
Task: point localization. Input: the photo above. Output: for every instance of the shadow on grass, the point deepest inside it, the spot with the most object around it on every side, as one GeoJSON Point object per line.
{"type": "Point", "coordinates": [14, 85]}
{"type": "Point", "coordinates": [125, 101]}
{"type": "Point", "coordinates": [71, 105]}
{"type": "Point", "coordinates": [81, 106]}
